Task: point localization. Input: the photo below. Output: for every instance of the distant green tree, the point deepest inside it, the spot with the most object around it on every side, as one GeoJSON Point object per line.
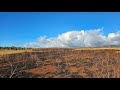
{"type": "Point", "coordinates": [14, 48]}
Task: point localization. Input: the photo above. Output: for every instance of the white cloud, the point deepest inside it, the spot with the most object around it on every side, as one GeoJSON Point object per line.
{"type": "Point", "coordinates": [82, 38]}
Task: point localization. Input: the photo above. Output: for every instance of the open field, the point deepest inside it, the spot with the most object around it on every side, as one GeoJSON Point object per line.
{"type": "Point", "coordinates": [4, 52]}
{"type": "Point", "coordinates": [60, 63]}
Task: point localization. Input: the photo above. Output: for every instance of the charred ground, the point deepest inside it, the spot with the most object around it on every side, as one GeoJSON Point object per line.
{"type": "Point", "coordinates": [61, 63]}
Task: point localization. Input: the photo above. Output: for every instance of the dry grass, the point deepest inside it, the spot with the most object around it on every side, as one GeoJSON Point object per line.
{"type": "Point", "coordinates": [4, 52]}
{"type": "Point", "coordinates": [96, 49]}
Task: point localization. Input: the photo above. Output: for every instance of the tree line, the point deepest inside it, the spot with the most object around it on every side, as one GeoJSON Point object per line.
{"type": "Point", "coordinates": [14, 48]}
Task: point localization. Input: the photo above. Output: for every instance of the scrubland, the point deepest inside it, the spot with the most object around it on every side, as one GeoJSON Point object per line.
{"type": "Point", "coordinates": [60, 63]}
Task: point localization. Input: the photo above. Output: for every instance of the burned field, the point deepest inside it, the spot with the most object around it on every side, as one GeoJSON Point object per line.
{"type": "Point", "coordinates": [61, 63]}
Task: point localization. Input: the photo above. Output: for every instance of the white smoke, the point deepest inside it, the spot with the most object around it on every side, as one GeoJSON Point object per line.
{"type": "Point", "coordinates": [83, 38]}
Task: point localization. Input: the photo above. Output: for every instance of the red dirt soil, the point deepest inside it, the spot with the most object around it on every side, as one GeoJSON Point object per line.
{"type": "Point", "coordinates": [43, 70]}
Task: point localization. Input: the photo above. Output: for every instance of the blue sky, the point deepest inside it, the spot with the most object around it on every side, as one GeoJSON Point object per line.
{"type": "Point", "coordinates": [17, 28]}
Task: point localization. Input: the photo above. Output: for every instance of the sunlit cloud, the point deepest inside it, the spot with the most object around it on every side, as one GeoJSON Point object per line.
{"type": "Point", "coordinates": [80, 38]}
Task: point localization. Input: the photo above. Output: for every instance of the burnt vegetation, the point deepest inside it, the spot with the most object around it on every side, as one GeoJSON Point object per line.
{"type": "Point", "coordinates": [61, 63]}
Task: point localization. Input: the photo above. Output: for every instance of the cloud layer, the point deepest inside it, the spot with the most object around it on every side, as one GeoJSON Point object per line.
{"type": "Point", "coordinates": [82, 38]}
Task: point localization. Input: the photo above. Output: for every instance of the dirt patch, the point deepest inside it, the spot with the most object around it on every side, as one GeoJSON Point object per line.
{"type": "Point", "coordinates": [43, 70]}
{"type": "Point", "coordinates": [73, 69]}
